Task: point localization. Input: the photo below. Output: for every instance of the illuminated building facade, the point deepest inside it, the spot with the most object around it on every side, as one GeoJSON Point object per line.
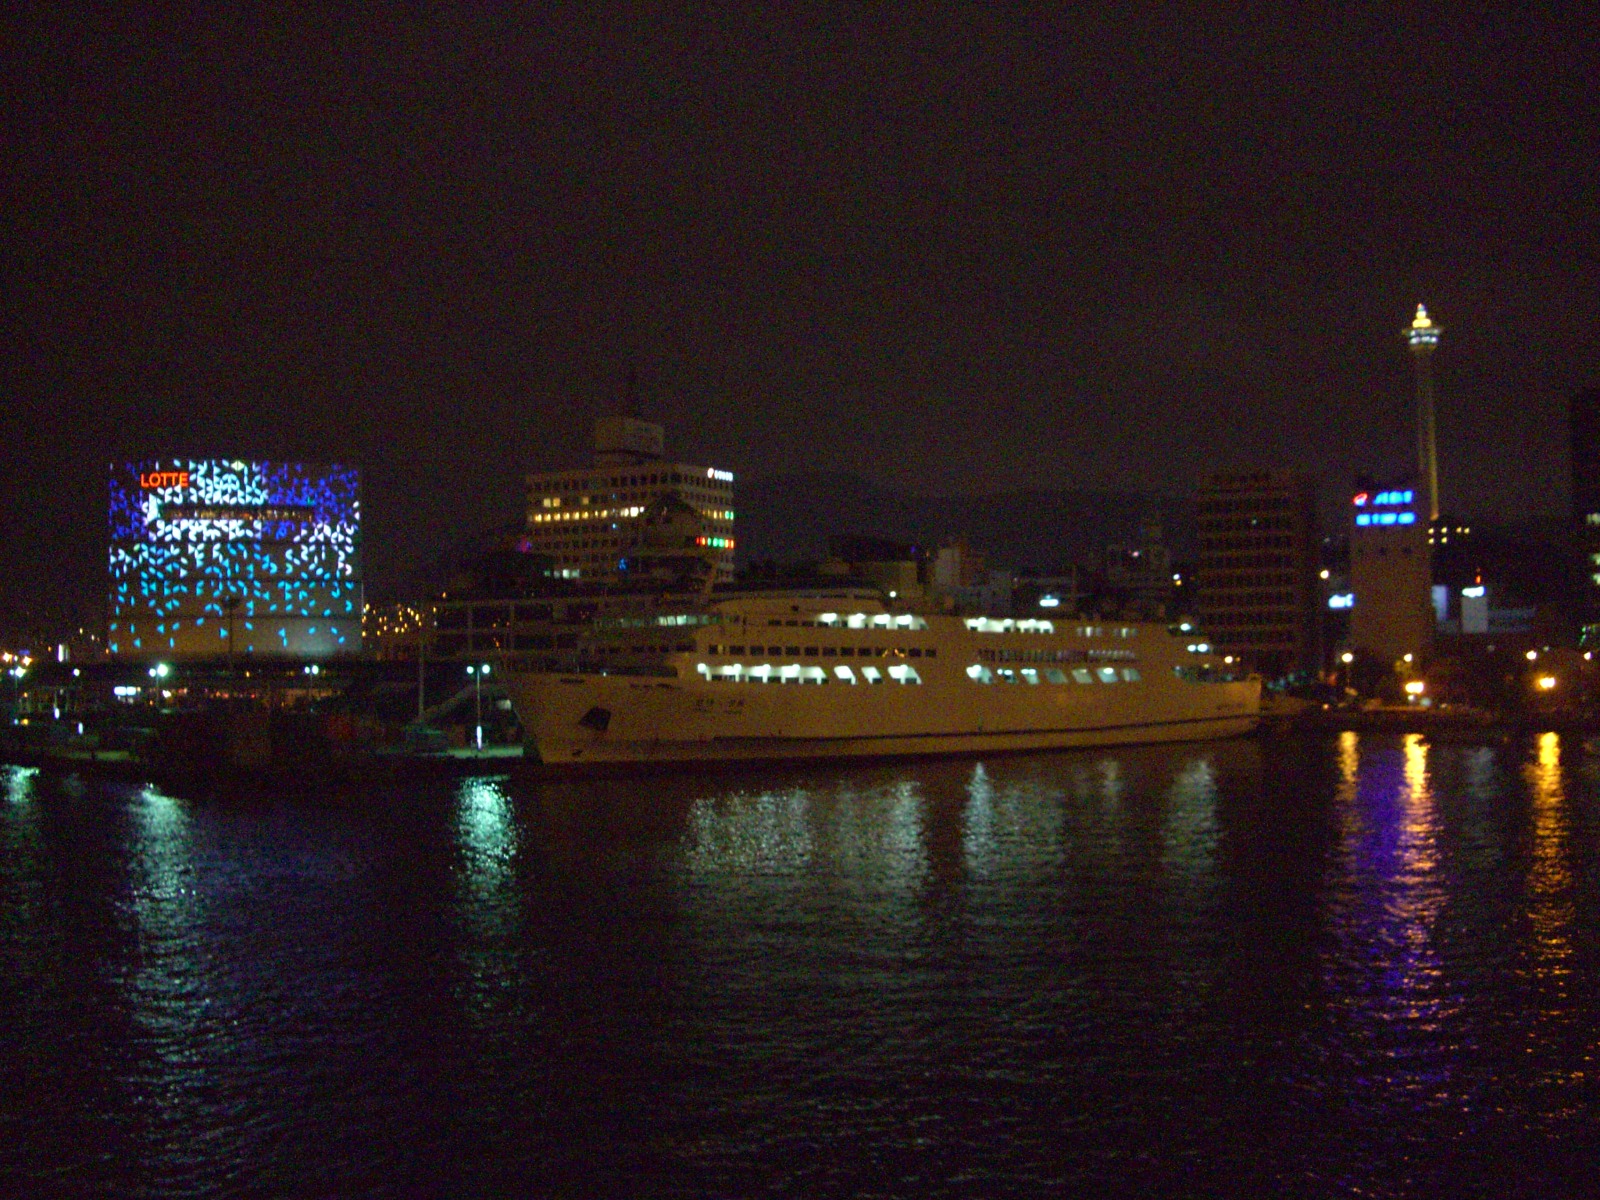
{"type": "Point", "coordinates": [1584, 414]}
{"type": "Point", "coordinates": [1391, 572]}
{"type": "Point", "coordinates": [590, 521]}
{"type": "Point", "coordinates": [217, 557]}
{"type": "Point", "coordinates": [1258, 594]}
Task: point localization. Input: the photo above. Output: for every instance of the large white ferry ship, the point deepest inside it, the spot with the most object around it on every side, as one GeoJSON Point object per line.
{"type": "Point", "coordinates": [827, 674]}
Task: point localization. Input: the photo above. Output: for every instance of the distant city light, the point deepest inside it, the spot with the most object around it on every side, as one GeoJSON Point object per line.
{"type": "Point", "coordinates": [1415, 687]}
{"type": "Point", "coordinates": [1347, 658]}
{"type": "Point", "coordinates": [1546, 682]}
{"type": "Point", "coordinates": [1473, 593]}
{"type": "Point", "coordinates": [1049, 602]}
{"type": "Point", "coordinates": [1342, 600]}
{"type": "Point", "coordinates": [1533, 655]}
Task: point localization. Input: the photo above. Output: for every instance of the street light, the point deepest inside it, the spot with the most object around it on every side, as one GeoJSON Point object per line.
{"type": "Point", "coordinates": [478, 672]}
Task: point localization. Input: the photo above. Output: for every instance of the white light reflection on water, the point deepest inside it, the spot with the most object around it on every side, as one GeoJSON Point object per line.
{"type": "Point", "coordinates": [167, 986]}
{"type": "Point", "coordinates": [487, 901]}
{"type": "Point", "coordinates": [19, 783]}
{"type": "Point", "coordinates": [1402, 1013]}
{"type": "Point", "coordinates": [768, 833]}
{"type": "Point", "coordinates": [22, 861]}
{"type": "Point", "coordinates": [1015, 829]}
{"type": "Point", "coordinates": [1189, 833]}
{"type": "Point", "coordinates": [977, 836]}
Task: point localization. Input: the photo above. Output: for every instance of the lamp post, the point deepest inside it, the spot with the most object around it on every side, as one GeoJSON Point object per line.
{"type": "Point", "coordinates": [478, 672]}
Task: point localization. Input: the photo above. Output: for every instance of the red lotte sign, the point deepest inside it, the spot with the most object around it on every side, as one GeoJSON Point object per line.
{"type": "Point", "coordinates": [161, 479]}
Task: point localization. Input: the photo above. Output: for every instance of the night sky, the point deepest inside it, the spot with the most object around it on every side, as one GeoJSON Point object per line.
{"type": "Point", "coordinates": [948, 250]}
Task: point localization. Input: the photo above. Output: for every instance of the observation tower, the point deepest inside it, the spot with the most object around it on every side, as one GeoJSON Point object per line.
{"type": "Point", "coordinates": [1423, 335]}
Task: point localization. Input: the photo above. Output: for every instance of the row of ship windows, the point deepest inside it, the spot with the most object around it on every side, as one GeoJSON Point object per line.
{"type": "Point", "coordinates": [831, 651]}
{"type": "Point", "coordinates": [1058, 656]}
{"type": "Point", "coordinates": [982, 674]}
{"type": "Point", "coordinates": [795, 673]}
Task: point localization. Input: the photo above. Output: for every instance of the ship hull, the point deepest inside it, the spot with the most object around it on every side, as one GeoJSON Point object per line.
{"type": "Point", "coordinates": [597, 719]}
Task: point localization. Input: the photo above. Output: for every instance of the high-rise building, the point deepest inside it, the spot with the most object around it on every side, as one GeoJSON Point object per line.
{"type": "Point", "coordinates": [217, 557]}
{"type": "Point", "coordinates": [1422, 335]}
{"type": "Point", "coordinates": [1391, 572]}
{"type": "Point", "coordinates": [1584, 414]}
{"type": "Point", "coordinates": [1258, 594]}
{"type": "Point", "coordinates": [631, 507]}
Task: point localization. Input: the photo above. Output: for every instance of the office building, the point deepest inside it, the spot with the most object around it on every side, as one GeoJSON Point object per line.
{"type": "Point", "coordinates": [1584, 416]}
{"type": "Point", "coordinates": [631, 513]}
{"type": "Point", "coordinates": [1391, 572]}
{"type": "Point", "coordinates": [1258, 594]}
{"type": "Point", "coordinates": [216, 557]}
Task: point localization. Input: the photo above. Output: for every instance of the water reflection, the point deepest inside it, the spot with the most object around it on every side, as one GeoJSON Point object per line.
{"type": "Point", "coordinates": [22, 861]}
{"type": "Point", "coordinates": [488, 905]}
{"type": "Point", "coordinates": [1548, 955]}
{"type": "Point", "coordinates": [1189, 833]}
{"type": "Point", "coordinates": [1550, 906]}
{"type": "Point", "coordinates": [1385, 976]}
{"type": "Point", "coordinates": [1017, 827]}
{"type": "Point", "coordinates": [19, 783]}
{"type": "Point", "coordinates": [767, 833]}
{"type": "Point", "coordinates": [166, 986]}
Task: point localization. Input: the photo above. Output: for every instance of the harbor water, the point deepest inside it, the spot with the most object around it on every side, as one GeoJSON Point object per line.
{"type": "Point", "coordinates": [1352, 965]}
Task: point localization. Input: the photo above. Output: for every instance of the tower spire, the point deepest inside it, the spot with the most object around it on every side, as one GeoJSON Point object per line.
{"type": "Point", "coordinates": [1423, 335]}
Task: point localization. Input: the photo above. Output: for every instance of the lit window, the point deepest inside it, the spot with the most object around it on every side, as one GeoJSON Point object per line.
{"type": "Point", "coordinates": [872, 674]}
{"type": "Point", "coordinates": [979, 674]}
{"type": "Point", "coordinates": [1108, 674]}
{"type": "Point", "coordinates": [1363, 518]}
{"type": "Point", "coordinates": [1082, 675]}
{"type": "Point", "coordinates": [1055, 675]}
{"type": "Point", "coordinates": [1029, 675]}
{"type": "Point", "coordinates": [844, 673]}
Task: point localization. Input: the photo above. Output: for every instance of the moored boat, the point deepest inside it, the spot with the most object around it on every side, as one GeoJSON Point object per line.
{"type": "Point", "coordinates": [835, 673]}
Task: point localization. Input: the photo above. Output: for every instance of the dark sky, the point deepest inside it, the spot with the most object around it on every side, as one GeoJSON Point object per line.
{"type": "Point", "coordinates": [950, 250]}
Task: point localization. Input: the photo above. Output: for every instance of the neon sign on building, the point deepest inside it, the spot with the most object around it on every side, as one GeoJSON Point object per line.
{"type": "Point", "coordinates": [1385, 508]}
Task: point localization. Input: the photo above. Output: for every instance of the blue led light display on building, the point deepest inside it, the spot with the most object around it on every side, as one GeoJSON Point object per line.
{"type": "Point", "coordinates": [253, 557]}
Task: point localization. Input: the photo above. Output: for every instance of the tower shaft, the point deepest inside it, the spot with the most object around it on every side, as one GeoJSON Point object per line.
{"type": "Point", "coordinates": [1423, 335]}
{"type": "Point", "coordinates": [1427, 441]}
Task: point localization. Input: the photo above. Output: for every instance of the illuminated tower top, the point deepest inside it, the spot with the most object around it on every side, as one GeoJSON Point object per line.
{"type": "Point", "coordinates": [1422, 335]}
